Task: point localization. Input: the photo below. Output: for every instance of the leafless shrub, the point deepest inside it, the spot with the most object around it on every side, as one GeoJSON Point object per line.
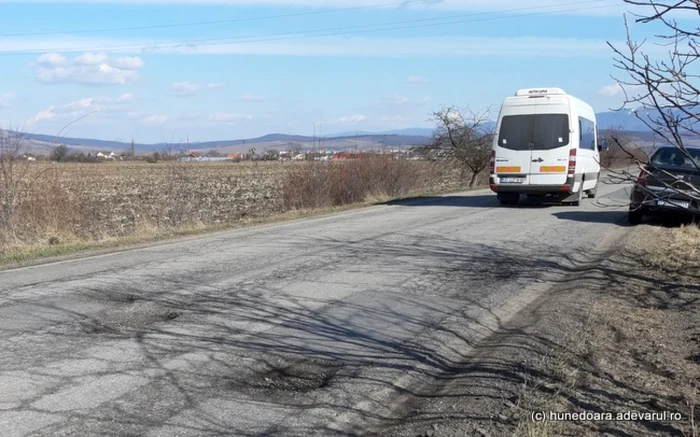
{"type": "Point", "coordinates": [624, 150]}
{"type": "Point", "coordinates": [18, 175]}
{"type": "Point", "coordinates": [665, 93]}
{"type": "Point", "coordinates": [318, 184]}
{"type": "Point", "coordinates": [467, 137]}
{"type": "Point", "coordinates": [87, 202]}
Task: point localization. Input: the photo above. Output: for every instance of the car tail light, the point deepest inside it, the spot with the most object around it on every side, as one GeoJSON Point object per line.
{"type": "Point", "coordinates": [642, 178]}
{"type": "Point", "coordinates": [572, 162]}
{"type": "Point", "coordinates": [492, 162]}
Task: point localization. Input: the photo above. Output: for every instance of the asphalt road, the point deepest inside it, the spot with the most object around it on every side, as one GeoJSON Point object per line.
{"type": "Point", "coordinates": [312, 327]}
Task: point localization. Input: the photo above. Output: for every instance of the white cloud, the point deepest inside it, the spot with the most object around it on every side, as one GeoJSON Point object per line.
{"type": "Point", "coordinates": [187, 89]}
{"type": "Point", "coordinates": [6, 99]}
{"type": "Point", "coordinates": [227, 117]}
{"type": "Point", "coordinates": [392, 121]}
{"type": "Point", "coordinates": [618, 90]}
{"type": "Point", "coordinates": [252, 98]}
{"type": "Point", "coordinates": [417, 80]}
{"type": "Point", "coordinates": [87, 69]}
{"type": "Point", "coordinates": [86, 106]}
{"type": "Point", "coordinates": [128, 97]}
{"type": "Point", "coordinates": [127, 63]}
{"type": "Point", "coordinates": [612, 90]}
{"type": "Point", "coordinates": [349, 119]}
{"type": "Point", "coordinates": [51, 60]}
{"type": "Point", "coordinates": [204, 119]}
{"type": "Point", "coordinates": [155, 119]}
{"type": "Point", "coordinates": [402, 100]}
{"type": "Point", "coordinates": [87, 59]}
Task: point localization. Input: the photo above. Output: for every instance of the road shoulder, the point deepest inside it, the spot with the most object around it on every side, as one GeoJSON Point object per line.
{"type": "Point", "coordinates": [617, 335]}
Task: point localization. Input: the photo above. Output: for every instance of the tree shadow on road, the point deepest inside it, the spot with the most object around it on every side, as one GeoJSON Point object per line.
{"type": "Point", "coordinates": [219, 355]}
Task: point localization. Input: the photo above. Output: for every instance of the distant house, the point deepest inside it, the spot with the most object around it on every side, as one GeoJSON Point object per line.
{"type": "Point", "coordinates": [235, 156]}
{"type": "Point", "coordinates": [342, 156]}
{"type": "Point", "coordinates": [110, 156]}
{"type": "Point", "coordinates": [196, 157]}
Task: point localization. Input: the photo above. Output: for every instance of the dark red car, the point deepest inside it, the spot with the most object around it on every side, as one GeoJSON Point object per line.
{"type": "Point", "coordinates": [669, 184]}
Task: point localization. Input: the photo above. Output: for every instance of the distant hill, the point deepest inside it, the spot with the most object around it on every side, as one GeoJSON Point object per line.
{"type": "Point", "coordinates": [625, 120]}
{"type": "Point", "coordinates": [345, 140]}
{"type": "Point", "coordinates": [287, 142]}
{"type": "Point", "coordinates": [606, 120]}
{"type": "Point", "coordinates": [39, 143]}
{"type": "Point", "coordinates": [418, 132]}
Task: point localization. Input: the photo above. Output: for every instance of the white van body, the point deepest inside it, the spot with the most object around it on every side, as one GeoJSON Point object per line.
{"type": "Point", "coordinates": [546, 143]}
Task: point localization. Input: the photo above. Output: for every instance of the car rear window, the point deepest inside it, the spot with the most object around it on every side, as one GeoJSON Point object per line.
{"type": "Point", "coordinates": [543, 131]}
{"type": "Point", "coordinates": [674, 157]}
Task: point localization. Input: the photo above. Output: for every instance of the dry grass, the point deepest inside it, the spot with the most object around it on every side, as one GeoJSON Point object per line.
{"type": "Point", "coordinates": [675, 248]}
{"type": "Point", "coordinates": [638, 349]}
{"type": "Point", "coordinates": [313, 184]}
{"type": "Point", "coordinates": [68, 207]}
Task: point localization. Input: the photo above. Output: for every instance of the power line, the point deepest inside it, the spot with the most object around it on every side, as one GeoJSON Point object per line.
{"type": "Point", "coordinates": [206, 23]}
{"type": "Point", "coordinates": [354, 29]}
{"type": "Point", "coordinates": [408, 24]}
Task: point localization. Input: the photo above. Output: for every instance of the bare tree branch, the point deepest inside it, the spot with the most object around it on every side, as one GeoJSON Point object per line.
{"type": "Point", "coordinates": [664, 94]}
{"type": "Point", "coordinates": [467, 137]}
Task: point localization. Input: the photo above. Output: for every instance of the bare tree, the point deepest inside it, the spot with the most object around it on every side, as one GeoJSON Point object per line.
{"type": "Point", "coordinates": [271, 154]}
{"type": "Point", "coordinates": [624, 150]}
{"type": "Point", "coordinates": [60, 153]}
{"type": "Point", "coordinates": [16, 174]}
{"type": "Point", "coordinates": [467, 137]}
{"type": "Point", "coordinates": [663, 93]}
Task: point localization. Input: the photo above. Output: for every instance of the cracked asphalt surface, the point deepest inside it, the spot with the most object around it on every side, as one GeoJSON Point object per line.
{"type": "Point", "coordinates": [315, 327]}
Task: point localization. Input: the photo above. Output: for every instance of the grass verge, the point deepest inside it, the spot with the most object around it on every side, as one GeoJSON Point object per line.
{"type": "Point", "coordinates": [616, 334]}
{"type": "Point", "coordinates": [636, 351]}
{"type": "Point", "coordinates": [42, 253]}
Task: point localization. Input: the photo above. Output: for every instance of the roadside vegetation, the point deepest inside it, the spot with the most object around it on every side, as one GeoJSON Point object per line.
{"type": "Point", "coordinates": [634, 348]}
{"type": "Point", "coordinates": [49, 207]}
{"type": "Point", "coordinates": [635, 343]}
{"type": "Point", "coordinates": [69, 201]}
{"type": "Point", "coordinates": [662, 91]}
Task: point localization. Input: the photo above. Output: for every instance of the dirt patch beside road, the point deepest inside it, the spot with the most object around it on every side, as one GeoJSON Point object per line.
{"type": "Point", "coordinates": [618, 336]}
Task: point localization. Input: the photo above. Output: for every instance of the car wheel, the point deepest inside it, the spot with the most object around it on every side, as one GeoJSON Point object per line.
{"type": "Point", "coordinates": [592, 193]}
{"type": "Point", "coordinates": [635, 216]}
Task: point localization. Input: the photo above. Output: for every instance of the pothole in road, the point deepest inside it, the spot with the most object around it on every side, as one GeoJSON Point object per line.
{"type": "Point", "coordinates": [287, 376]}
{"type": "Point", "coordinates": [126, 319]}
{"type": "Point", "coordinates": [110, 296]}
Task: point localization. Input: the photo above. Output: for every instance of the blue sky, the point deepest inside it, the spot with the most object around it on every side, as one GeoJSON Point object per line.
{"type": "Point", "coordinates": [223, 69]}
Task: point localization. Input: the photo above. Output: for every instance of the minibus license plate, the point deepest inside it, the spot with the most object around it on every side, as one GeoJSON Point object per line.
{"type": "Point", "coordinates": [512, 180]}
{"type": "Point", "coordinates": [674, 203]}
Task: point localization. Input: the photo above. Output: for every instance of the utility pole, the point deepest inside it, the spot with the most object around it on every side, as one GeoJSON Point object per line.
{"type": "Point", "coordinates": [320, 127]}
